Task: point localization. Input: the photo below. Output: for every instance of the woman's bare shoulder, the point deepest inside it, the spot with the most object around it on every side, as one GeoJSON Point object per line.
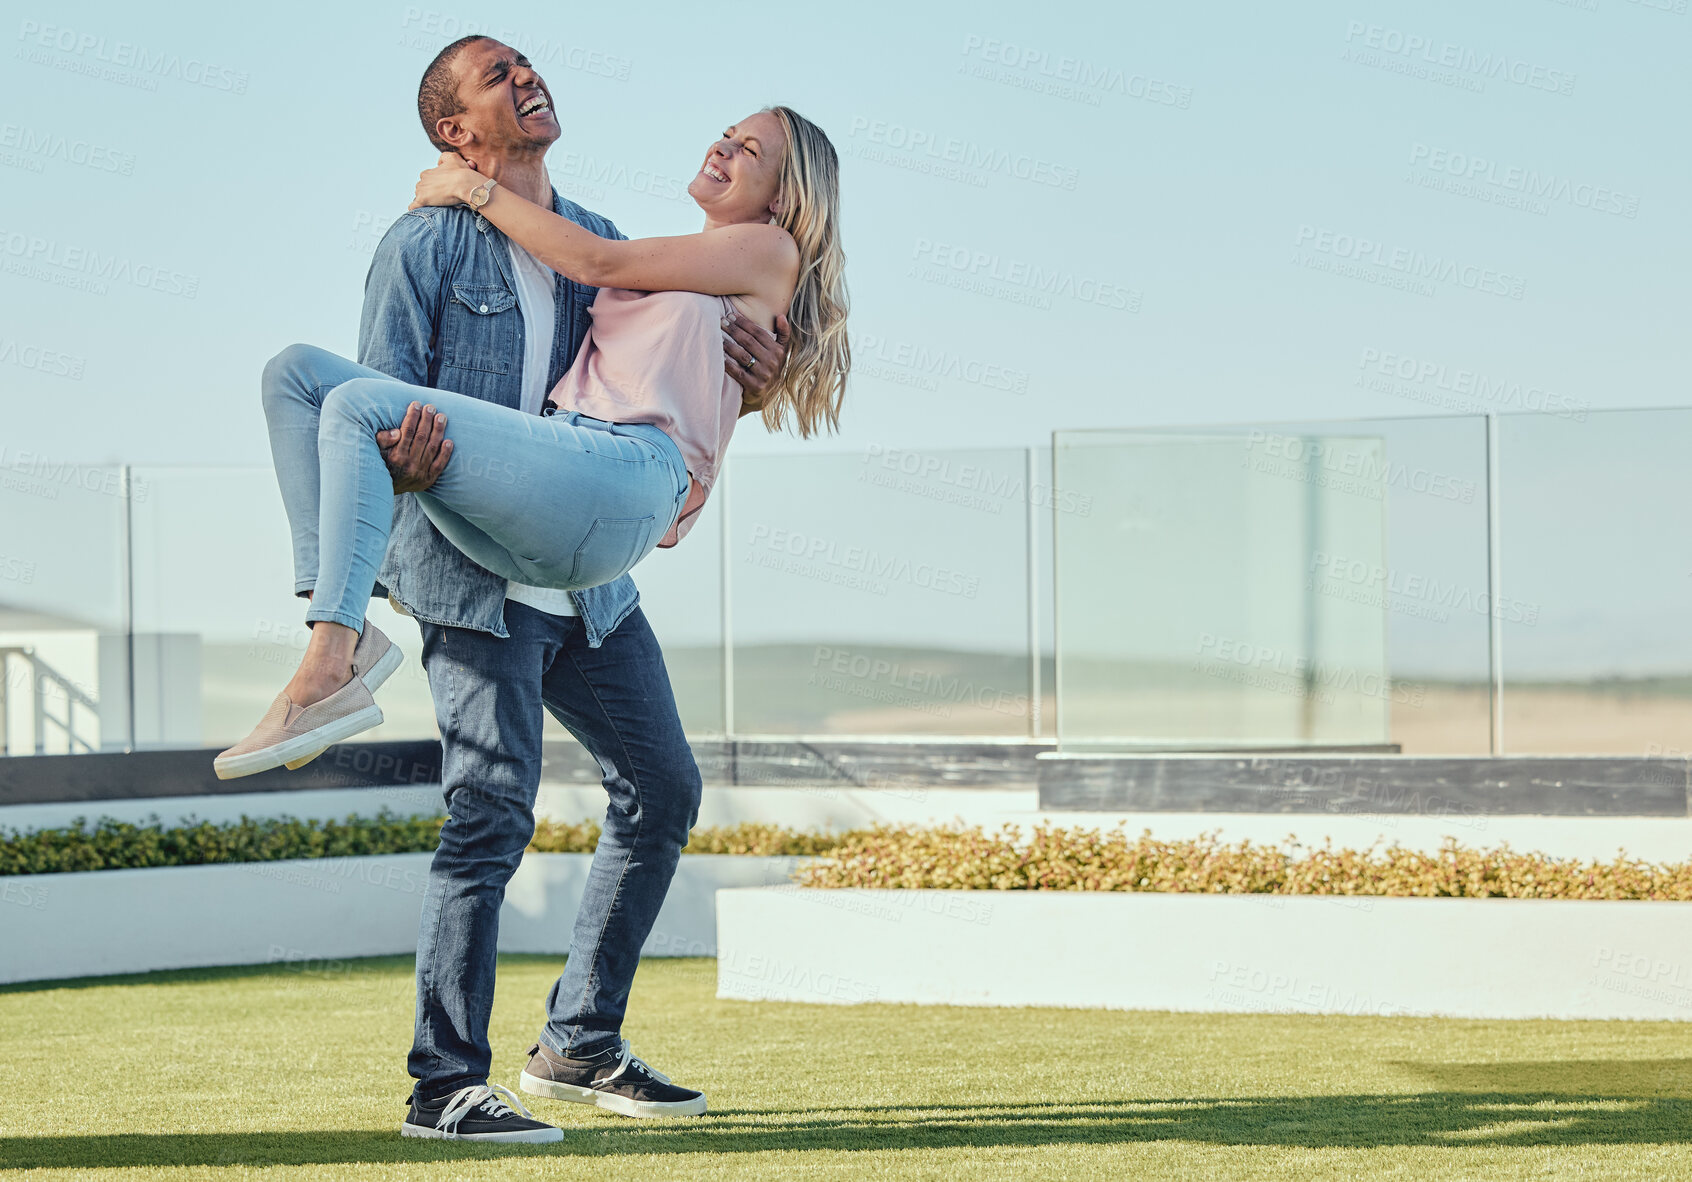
{"type": "Point", "coordinates": [765, 234]}
{"type": "Point", "coordinates": [779, 265]}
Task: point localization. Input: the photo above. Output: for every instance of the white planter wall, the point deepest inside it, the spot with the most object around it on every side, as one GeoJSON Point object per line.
{"type": "Point", "coordinates": [1470, 958]}
{"type": "Point", "coordinates": [131, 921]}
{"type": "Point", "coordinates": [540, 903]}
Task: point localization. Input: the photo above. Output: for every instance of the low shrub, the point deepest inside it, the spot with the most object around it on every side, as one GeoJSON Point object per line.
{"type": "Point", "coordinates": [122, 845]}
{"type": "Point", "coordinates": [758, 840]}
{"type": "Point", "coordinates": [749, 838]}
{"type": "Point", "coordinates": [563, 837]}
{"type": "Point", "coordinates": [1052, 858]}
{"type": "Point", "coordinates": [1091, 860]}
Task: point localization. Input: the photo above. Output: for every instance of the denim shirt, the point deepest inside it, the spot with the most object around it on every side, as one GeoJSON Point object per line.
{"type": "Point", "coordinates": [440, 310]}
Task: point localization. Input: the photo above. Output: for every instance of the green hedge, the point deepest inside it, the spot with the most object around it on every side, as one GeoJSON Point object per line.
{"type": "Point", "coordinates": [120, 845]}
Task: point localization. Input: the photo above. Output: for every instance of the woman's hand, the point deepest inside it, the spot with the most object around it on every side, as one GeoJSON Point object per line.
{"type": "Point", "coordinates": [448, 183]}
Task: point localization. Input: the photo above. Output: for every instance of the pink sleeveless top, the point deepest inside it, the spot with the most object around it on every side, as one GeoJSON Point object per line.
{"type": "Point", "coordinates": [657, 357]}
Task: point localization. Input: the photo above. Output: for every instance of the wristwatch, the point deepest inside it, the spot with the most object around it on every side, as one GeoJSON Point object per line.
{"type": "Point", "coordinates": [480, 194]}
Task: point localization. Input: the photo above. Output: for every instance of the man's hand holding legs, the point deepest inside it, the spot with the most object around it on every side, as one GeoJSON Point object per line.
{"type": "Point", "coordinates": [416, 451]}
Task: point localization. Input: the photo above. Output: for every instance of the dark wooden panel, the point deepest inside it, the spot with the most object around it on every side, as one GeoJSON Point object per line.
{"type": "Point", "coordinates": [41, 779]}
{"type": "Point", "coordinates": [852, 763]}
{"type": "Point", "coordinates": [1548, 786]}
{"type": "Point", "coordinates": [1561, 786]}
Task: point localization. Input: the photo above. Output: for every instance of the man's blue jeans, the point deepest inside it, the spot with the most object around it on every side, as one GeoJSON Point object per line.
{"type": "Point", "coordinates": [489, 696]}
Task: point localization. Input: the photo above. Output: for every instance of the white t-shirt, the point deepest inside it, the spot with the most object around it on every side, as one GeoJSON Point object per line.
{"type": "Point", "coordinates": [535, 283]}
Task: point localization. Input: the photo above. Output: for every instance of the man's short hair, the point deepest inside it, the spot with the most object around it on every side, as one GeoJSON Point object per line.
{"type": "Point", "coordinates": [437, 94]}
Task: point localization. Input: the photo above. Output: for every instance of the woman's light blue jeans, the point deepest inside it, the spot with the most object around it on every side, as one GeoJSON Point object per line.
{"type": "Point", "coordinates": [553, 501]}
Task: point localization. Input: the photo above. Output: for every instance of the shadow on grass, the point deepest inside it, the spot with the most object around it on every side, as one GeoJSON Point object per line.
{"type": "Point", "coordinates": [374, 965]}
{"type": "Point", "coordinates": [399, 965]}
{"type": "Point", "coordinates": [1660, 1079]}
{"type": "Point", "coordinates": [1492, 1118]}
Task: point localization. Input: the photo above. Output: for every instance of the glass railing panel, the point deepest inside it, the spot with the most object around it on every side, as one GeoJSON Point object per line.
{"type": "Point", "coordinates": [1594, 541]}
{"type": "Point", "coordinates": [1274, 586]}
{"type": "Point", "coordinates": [213, 585]}
{"type": "Point", "coordinates": [882, 593]}
{"type": "Point", "coordinates": [64, 651]}
{"type": "Point", "coordinates": [681, 592]}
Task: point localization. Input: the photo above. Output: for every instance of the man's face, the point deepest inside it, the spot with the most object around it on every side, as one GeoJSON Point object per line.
{"type": "Point", "coordinates": [507, 108]}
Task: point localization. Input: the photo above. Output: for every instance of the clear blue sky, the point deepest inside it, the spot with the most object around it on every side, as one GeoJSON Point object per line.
{"type": "Point", "coordinates": [1201, 163]}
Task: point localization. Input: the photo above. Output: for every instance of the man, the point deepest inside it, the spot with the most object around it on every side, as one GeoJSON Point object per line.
{"type": "Point", "coordinates": [452, 304]}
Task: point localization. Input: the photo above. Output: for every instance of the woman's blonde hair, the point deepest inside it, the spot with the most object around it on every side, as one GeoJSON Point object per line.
{"type": "Point", "coordinates": [812, 381]}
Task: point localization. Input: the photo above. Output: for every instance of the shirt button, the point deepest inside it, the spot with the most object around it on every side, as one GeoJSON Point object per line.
{"type": "Point", "coordinates": [484, 307]}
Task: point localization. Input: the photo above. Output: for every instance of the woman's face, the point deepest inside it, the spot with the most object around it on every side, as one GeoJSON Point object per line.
{"type": "Point", "coordinates": [737, 182]}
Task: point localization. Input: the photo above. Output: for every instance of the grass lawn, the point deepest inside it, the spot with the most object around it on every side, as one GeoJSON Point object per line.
{"type": "Point", "coordinates": [274, 1072]}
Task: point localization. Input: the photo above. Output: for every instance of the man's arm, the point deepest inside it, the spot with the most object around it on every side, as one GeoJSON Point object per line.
{"type": "Point", "coordinates": [397, 334]}
{"type": "Point", "coordinates": [402, 299]}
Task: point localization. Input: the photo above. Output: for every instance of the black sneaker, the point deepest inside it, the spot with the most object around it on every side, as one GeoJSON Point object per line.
{"type": "Point", "coordinates": [612, 1079]}
{"type": "Point", "coordinates": [478, 1114]}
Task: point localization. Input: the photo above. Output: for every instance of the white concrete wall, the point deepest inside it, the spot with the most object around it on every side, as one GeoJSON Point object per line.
{"type": "Point", "coordinates": [1468, 958]}
{"type": "Point", "coordinates": [131, 921]}
{"type": "Point", "coordinates": [540, 903]}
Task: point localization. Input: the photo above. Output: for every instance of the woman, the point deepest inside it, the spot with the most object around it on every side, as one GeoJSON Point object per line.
{"type": "Point", "coordinates": [574, 500]}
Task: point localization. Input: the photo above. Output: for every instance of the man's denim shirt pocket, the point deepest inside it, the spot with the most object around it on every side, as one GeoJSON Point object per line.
{"type": "Point", "coordinates": [440, 311]}
{"type": "Point", "coordinates": [482, 329]}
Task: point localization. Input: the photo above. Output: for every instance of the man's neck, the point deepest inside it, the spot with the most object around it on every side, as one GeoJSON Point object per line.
{"type": "Point", "coordinates": [523, 175]}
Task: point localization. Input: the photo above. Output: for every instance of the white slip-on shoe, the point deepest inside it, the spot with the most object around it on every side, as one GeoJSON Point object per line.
{"type": "Point", "coordinates": [373, 662]}
{"type": "Point", "coordinates": [288, 731]}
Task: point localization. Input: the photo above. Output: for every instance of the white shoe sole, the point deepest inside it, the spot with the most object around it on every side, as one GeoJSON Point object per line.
{"type": "Point", "coordinates": [544, 1136]}
{"type": "Point", "coordinates": [277, 754]}
{"type": "Point", "coordinates": [642, 1109]}
{"type": "Point", "coordinates": [379, 672]}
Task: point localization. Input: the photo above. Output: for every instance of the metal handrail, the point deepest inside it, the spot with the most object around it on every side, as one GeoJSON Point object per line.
{"type": "Point", "coordinates": [41, 675]}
